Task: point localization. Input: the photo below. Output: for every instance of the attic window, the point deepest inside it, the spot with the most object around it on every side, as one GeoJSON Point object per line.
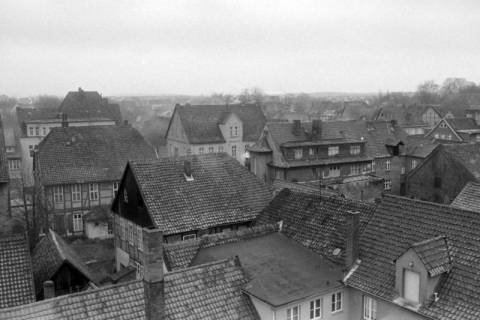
{"type": "Point", "coordinates": [443, 125]}
{"type": "Point", "coordinates": [411, 286]}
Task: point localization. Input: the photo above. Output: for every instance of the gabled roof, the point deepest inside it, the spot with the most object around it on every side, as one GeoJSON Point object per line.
{"type": "Point", "coordinates": [201, 122]}
{"type": "Point", "coordinates": [89, 154]}
{"type": "Point", "coordinates": [33, 114]}
{"type": "Point", "coordinates": [401, 222]}
{"type": "Point", "coordinates": [466, 154]}
{"type": "Point", "coordinates": [468, 198]}
{"type": "Point", "coordinates": [434, 255]}
{"type": "Point", "coordinates": [124, 301]}
{"type": "Point", "coordinates": [208, 291]}
{"type": "Point", "coordinates": [317, 222]}
{"type": "Point", "coordinates": [459, 124]}
{"type": "Point", "coordinates": [222, 192]}
{"type": "Point", "coordinates": [419, 146]}
{"type": "Point", "coordinates": [89, 105]}
{"type": "Point", "coordinates": [16, 277]}
{"type": "Point", "coordinates": [405, 115]}
{"type": "Point", "coordinates": [51, 253]}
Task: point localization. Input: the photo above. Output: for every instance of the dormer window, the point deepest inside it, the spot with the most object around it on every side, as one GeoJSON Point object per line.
{"type": "Point", "coordinates": [298, 154]}
{"type": "Point", "coordinates": [443, 125]}
{"type": "Point", "coordinates": [333, 151]}
{"type": "Point", "coordinates": [354, 150]}
{"type": "Point", "coordinates": [411, 286]}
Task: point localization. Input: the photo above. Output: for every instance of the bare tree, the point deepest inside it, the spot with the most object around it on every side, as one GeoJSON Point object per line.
{"type": "Point", "coordinates": [428, 92]}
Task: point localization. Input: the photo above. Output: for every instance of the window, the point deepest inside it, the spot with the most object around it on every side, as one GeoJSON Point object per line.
{"type": "Point", "coordinates": [316, 309]}
{"type": "Point", "coordinates": [449, 137]}
{"type": "Point", "coordinates": [414, 164]}
{"type": "Point", "coordinates": [388, 184]}
{"type": "Point", "coordinates": [76, 192]}
{"type": "Point", "coordinates": [13, 164]}
{"type": "Point", "coordinates": [115, 188]}
{"type": "Point", "coordinates": [411, 285]}
{"type": "Point", "coordinates": [30, 131]}
{"type": "Point", "coordinates": [443, 125]}
{"type": "Point", "coordinates": [236, 131]}
{"type": "Point", "coordinates": [373, 166]}
{"type": "Point", "coordinates": [234, 151]}
{"type": "Point", "coordinates": [201, 150]}
{"type": "Point", "coordinates": [44, 129]}
{"type": "Point", "coordinates": [231, 131]}
{"type": "Point", "coordinates": [220, 149]}
{"type": "Point", "coordinates": [189, 236]}
{"type": "Point", "coordinates": [388, 164]}
{"type": "Point", "coordinates": [437, 136]}
{"type": "Point", "coordinates": [369, 308]}
{"type": "Point", "coordinates": [311, 152]}
{"type": "Point", "coordinates": [37, 131]}
{"type": "Point", "coordinates": [354, 150]}
{"type": "Point", "coordinates": [334, 171]}
{"type": "Point", "coordinates": [140, 238]}
{"type": "Point", "coordinates": [125, 196]}
{"type": "Point", "coordinates": [355, 169]}
{"type": "Point", "coordinates": [298, 153]}
{"type": "Point", "coordinates": [210, 149]}
{"type": "Point", "coordinates": [336, 302]}
{"type": "Point", "coordinates": [139, 271]}
{"type": "Point", "coordinates": [293, 313]}
{"type": "Point", "coordinates": [58, 194]}
{"type": "Point", "coordinates": [77, 222]}
{"type": "Point", "coordinates": [332, 151]}
{"type": "Point", "coordinates": [130, 232]}
{"type": "Point", "coordinates": [93, 188]}
{"type": "Point", "coordinates": [403, 170]}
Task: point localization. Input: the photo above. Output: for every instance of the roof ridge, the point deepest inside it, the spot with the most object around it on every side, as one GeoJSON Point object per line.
{"type": "Point", "coordinates": [427, 202]}
{"type": "Point", "coordinates": [200, 266]}
{"type": "Point", "coordinates": [57, 245]}
{"type": "Point", "coordinates": [420, 243]}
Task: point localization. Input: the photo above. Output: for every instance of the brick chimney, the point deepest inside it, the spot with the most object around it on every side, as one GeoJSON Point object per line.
{"type": "Point", "coordinates": [64, 120]}
{"type": "Point", "coordinates": [152, 261]}
{"type": "Point", "coordinates": [316, 129]}
{"type": "Point", "coordinates": [187, 170]}
{"type": "Point", "coordinates": [48, 289]}
{"type": "Point", "coordinates": [297, 127]}
{"type": "Point", "coordinates": [351, 237]}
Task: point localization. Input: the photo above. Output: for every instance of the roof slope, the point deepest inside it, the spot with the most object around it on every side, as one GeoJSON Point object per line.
{"type": "Point", "coordinates": [201, 123]}
{"type": "Point", "coordinates": [124, 301]}
{"type": "Point", "coordinates": [89, 105]}
{"type": "Point", "coordinates": [89, 154]}
{"type": "Point", "coordinates": [405, 115]}
{"type": "Point", "coordinates": [317, 222]}
{"type": "Point", "coordinates": [222, 192]}
{"type": "Point", "coordinates": [462, 123]}
{"type": "Point", "coordinates": [208, 291]}
{"type": "Point", "coordinates": [50, 254]}
{"type": "Point", "coordinates": [466, 154]}
{"type": "Point", "coordinates": [469, 197]}
{"type": "Point", "coordinates": [16, 277]}
{"type": "Point", "coordinates": [401, 222]}
{"type": "Point", "coordinates": [434, 254]}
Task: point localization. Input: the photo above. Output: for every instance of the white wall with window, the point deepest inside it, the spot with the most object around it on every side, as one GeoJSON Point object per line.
{"type": "Point", "coordinates": [332, 151]}
{"type": "Point", "coordinates": [414, 164]}
{"type": "Point", "coordinates": [369, 308]}
{"type": "Point", "coordinates": [388, 165]}
{"type": "Point", "coordinates": [298, 154]}
{"type": "Point", "coordinates": [77, 222]}
{"type": "Point", "coordinates": [76, 192]}
{"type": "Point", "coordinates": [315, 310]}
{"type": "Point", "coordinates": [14, 164]}
{"type": "Point", "coordinates": [411, 286]}
{"type": "Point", "coordinates": [334, 171]}
{"type": "Point", "coordinates": [388, 184]}
{"type": "Point", "coordinates": [93, 191]}
{"type": "Point", "coordinates": [355, 149]}
{"type": "Point", "coordinates": [58, 194]}
{"type": "Point", "coordinates": [293, 313]}
{"type": "Point", "coordinates": [336, 302]}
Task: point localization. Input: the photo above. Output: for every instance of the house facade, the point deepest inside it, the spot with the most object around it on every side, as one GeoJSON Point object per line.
{"type": "Point", "coordinates": [78, 108]}
{"type": "Point", "coordinates": [456, 130]}
{"type": "Point", "coordinates": [78, 169]}
{"type": "Point", "coordinates": [205, 129]}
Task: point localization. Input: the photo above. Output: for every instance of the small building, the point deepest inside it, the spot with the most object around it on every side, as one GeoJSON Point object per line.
{"type": "Point", "coordinates": [444, 173]}
{"type": "Point", "coordinates": [99, 223]}
{"type": "Point", "coordinates": [16, 275]}
{"type": "Point", "coordinates": [79, 168]}
{"type": "Point", "coordinates": [417, 260]}
{"type": "Point", "coordinates": [468, 198]}
{"type": "Point", "coordinates": [54, 260]}
{"type": "Point", "coordinates": [78, 108]}
{"type": "Point", "coordinates": [214, 128]}
{"type": "Point", "coordinates": [455, 130]}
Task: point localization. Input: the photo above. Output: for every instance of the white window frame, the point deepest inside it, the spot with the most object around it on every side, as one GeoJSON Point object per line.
{"type": "Point", "coordinates": [298, 154]}
{"type": "Point", "coordinates": [220, 148]}
{"type": "Point", "coordinates": [388, 184]}
{"type": "Point", "coordinates": [140, 271]}
{"type": "Point", "coordinates": [388, 165]}
{"type": "Point", "coordinates": [140, 237]}
{"type": "Point", "coordinates": [189, 236]}
{"type": "Point", "coordinates": [337, 302]}
{"type": "Point", "coordinates": [236, 131]}
{"type": "Point", "coordinates": [334, 169]}
{"type": "Point", "coordinates": [201, 150]}
{"type": "Point", "coordinates": [77, 218]}
{"type": "Point", "coordinates": [58, 194]}
{"type": "Point", "coordinates": [76, 194]}
{"type": "Point", "coordinates": [293, 313]}
{"type": "Point", "coordinates": [333, 151]}
{"type": "Point", "coordinates": [115, 185]}
{"type": "Point", "coordinates": [414, 164]}
{"type": "Point", "coordinates": [30, 131]}
{"type": "Point", "coordinates": [130, 232]}
{"type": "Point", "coordinates": [403, 170]}
{"type": "Point", "coordinates": [211, 150]}
{"type": "Point", "coordinates": [313, 308]}
{"type": "Point", "coordinates": [355, 149]}
{"type": "Point", "coordinates": [311, 152]}
{"type": "Point", "coordinates": [369, 308]}
{"type": "Point", "coordinates": [93, 191]}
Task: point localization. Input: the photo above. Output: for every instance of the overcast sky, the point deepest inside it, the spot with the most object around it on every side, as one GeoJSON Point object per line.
{"type": "Point", "coordinates": [156, 47]}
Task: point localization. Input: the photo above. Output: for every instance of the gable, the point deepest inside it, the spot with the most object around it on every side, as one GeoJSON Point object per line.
{"type": "Point", "coordinates": [175, 129]}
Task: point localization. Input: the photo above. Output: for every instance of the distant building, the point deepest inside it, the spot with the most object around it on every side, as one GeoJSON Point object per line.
{"type": "Point", "coordinates": [4, 175]}
{"type": "Point", "coordinates": [473, 114]}
{"type": "Point", "coordinates": [16, 276]}
{"type": "Point", "coordinates": [455, 130]}
{"type": "Point", "coordinates": [444, 173]}
{"type": "Point", "coordinates": [214, 128]}
{"type": "Point", "coordinates": [78, 169]}
{"type": "Point", "coordinates": [78, 108]}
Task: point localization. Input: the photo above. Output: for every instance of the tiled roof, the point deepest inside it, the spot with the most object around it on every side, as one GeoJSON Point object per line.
{"type": "Point", "coordinates": [419, 146]}
{"type": "Point", "coordinates": [89, 154]}
{"type": "Point", "coordinates": [181, 254]}
{"type": "Point", "coordinates": [16, 277]}
{"type": "Point", "coordinates": [462, 123]}
{"type": "Point", "coordinates": [125, 301]}
{"type": "Point", "coordinates": [3, 157]}
{"type": "Point", "coordinates": [469, 197]}
{"type": "Point", "coordinates": [401, 222]}
{"type": "Point", "coordinates": [316, 222]}
{"type": "Point", "coordinates": [89, 105]}
{"type": "Point", "coordinates": [434, 254]}
{"type": "Point", "coordinates": [32, 114]}
{"type": "Point", "coordinates": [201, 123]}
{"type": "Point", "coordinates": [99, 213]}
{"type": "Point", "coordinates": [208, 291]}
{"type": "Point", "coordinates": [50, 253]}
{"type": "Point", "coordinates": [466, 154]}
{"type": "Point", "coordinates": [222, 192]}
{"type": "Point", "coordinates": [405, 115]}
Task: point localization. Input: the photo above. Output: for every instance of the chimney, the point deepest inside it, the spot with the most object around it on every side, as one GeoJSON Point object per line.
{"type": "Point", "coordinates": [64, 120]}
{"type": "Point", "coordinates": [48, 289]}
{"type": "Point", "coordinates": [187, 169]}
{"type": "Point", "coordinates": [297, 127]}
{"type": "Point", "coordinates": [316, 129]}
{"type": "Point", "coordinates": [351, 238]}
{"type": "Point", "coordinates": [152, 261]}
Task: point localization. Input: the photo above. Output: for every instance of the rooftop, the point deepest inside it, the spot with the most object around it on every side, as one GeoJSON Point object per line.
{"type": "Point", "coordinates": [434, 254]}
{"type": "Point", "coordinates": [16, 277]}
{"type": "Point", "coordinates": [466, 154]}
{"type": "Point", "coordinates": [398, 224]}
{"type": "Point", "coordinates": [222, 192]}
{"type": "Point", "coordinates": [468, 198]}
{"type": "Point", "coordinates": [89, 154]}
